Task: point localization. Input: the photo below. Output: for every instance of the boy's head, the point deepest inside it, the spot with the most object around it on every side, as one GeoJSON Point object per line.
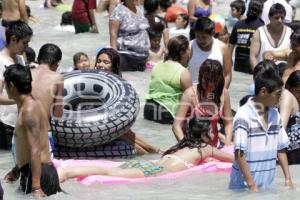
{"type": "Point", "coordinates": [81, 61]}
{"type": "Point", "coordinates": [18, 35]}
{"type": "Point", "coordinates": [164, 4]}
{"type": "Point", "coordinates": [237, 8]}
{"type": "Point", "coordinates": [51, 55]}
{"type": "Point", "coordinates": [155, 38]}
{"type": "Point", "coordinates": [255, 9]}
{"type": "Point", "coordinates": [268, 84]}
{"type": "Point", "coordinates": [182, 21]}
{"type": "Point", "coordinates": [66, 18]}
{"type": "Point", "coordinates": [17, 80]}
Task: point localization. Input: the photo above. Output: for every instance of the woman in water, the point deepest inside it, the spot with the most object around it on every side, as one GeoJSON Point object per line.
{"type": "Point", "coordinates": [192, 150]}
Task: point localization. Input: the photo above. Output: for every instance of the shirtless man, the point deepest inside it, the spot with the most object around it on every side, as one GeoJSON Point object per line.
{"type": "Point", "coordinates": [32, 146]}
{"type": "Point", "coordinates": [13, 10]}
{"type": "Point", "coordinates": [292, 55]}
{"type": "Point", "coordinates": [51, 82]}
{"type": "Point", "coordinates": [273, 36]}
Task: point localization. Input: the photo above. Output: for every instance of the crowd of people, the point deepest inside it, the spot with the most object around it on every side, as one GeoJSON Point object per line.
{"type": "Point", "coordinates": [191, 71]}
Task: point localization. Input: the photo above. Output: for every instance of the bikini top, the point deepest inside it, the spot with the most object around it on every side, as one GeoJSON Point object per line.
{"type": "Point", "coordinates": [202, 12]}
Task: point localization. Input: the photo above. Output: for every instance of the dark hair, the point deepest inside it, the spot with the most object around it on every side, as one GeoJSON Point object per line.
{"type": "Point", "coordinates": [154, 34]}
{"type": "Point", "coordinates": [204, 24]}
{"type": "Point", "coordinates": [269, 79]}
{"type": "Point", "coordinates": [295, 37]}
{"type": "Point", "coordinates": [293, 80]}
{"type": "Point", "coordinates": [211, 71]}
{"type": "Point", "coordinates": [281, 67]}
{"type": "Point", "coordinates": [185, 18]}
{"type": "Point", "coordinates": [176, 46]}
{"type": "Point", "coordinates": [165, 4]}
{"type": "Point", "coordinates": [264, 65]}
{"type": "Point", "coordinates": [151, 6]}
{"type": "Point", "coordinates": [30, 54]}
{"type": "Point", "coordinates": [244, 100]}
{"type": "Point", "coordinates": [197, 135]}
{"type": "Point", "coordinates": [28, 10]}
{"type": "Point", "coordinates": [77, 57]}
{"type": "Point", "coordinates": [19, 29]}
{"type": "Point", "coordinates": [155, 22]}
{"type": "Point", "coordinates": [66, 18]}
{"type": "Point", "coordinates": [114, 57]}
{"type": "Point", "coordinates": [49, 54]}
{"type": "Point", "coordinates": [239, 5]}
{"type": "Point", "coordinates": [277, 8]}
{"type": "Point", "coordinates": [255, 9]}
{"type": "Point", "coordinates": [294, 25]}
{"type": "Point", "coordinates": [20, 76]}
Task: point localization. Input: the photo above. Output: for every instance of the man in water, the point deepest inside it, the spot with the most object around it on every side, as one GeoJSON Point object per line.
{"type": "Point", "coordinates": [47, 87]}
{"type": "Point", "coordinates": [38, 174]}
{"type": "Point", "coordinates": [12, 11]}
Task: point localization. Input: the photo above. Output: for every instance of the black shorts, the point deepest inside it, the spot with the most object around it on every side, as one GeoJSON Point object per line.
{"type": "Point", "coordinates": [49, 179]}
{"type": "Point", "coordinates": [6, 133]}
{"type": "Point", "coordinates": [155, 112]}
{"type": "Point", "coordinates": [293, 157]}
{"type": "Point", "coordinates": [6, 23]}
{"type": "Point", "coordinates": [1, 192]}
{"type": "Point", "coordinates": [132, 63]}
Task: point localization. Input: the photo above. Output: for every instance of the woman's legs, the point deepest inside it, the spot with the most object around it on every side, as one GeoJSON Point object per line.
{"type": "Point", "coordinates": [65, 173]}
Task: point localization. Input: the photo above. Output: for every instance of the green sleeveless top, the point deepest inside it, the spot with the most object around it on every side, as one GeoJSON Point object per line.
{"type": "Point", "coordinates": [165, 86]}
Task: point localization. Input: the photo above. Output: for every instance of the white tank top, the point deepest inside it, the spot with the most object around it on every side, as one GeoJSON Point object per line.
{"type": "Point", "coordinates": [199, 56]}
{"type": "Point", "coordinates": [265, 44]}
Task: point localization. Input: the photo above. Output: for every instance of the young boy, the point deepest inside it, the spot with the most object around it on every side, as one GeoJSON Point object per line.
{"type": "Point", "coordinates": [238, 9]}
{"type": "Point", "coordinates": [32, 145]}
{"type": "Point", "coordinates": [259, 137]}
{"type": "Point", "coordinates": [81, 61]}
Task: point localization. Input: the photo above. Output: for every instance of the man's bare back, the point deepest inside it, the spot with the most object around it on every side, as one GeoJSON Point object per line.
{"type": "Point", "coordinates": [47, 88]}
{"type": "Point", "coordinates": [32, 116]}
{"type": "Point", "coordinates": [14, 10]}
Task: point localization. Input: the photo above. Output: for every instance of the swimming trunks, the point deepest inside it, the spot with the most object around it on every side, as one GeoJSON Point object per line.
{"type": "Point", "coordinates": [49, 179]}
{"type": "Point", "coordinates": [147, 167]}
{"type": "Point", "coordinates": [184, 162]}
{"type": "Point", "coordinates": [7, 23]}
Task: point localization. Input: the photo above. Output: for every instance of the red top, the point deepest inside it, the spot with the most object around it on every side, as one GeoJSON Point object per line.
{"type": "Point", "coordinates": [80, 10]}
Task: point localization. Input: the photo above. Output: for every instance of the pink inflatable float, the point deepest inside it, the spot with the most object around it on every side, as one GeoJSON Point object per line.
{"type": "Point", "coordinates": [213, 166]}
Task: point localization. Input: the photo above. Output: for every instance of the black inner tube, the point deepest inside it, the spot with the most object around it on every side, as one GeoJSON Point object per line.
{"type": "Point", "coordinates": [78, 103]}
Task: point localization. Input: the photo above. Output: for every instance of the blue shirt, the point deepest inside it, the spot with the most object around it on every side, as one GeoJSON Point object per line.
{"type": "Point", "coordinates": [259, 144]}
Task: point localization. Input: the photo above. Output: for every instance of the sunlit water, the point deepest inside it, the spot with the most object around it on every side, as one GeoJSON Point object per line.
{"type": "Point", "coordinates": [195, 186]}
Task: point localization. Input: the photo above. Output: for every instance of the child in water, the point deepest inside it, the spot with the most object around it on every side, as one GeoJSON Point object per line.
{"type": "Point", "coordinates": [81, 61]}
{"type": "Point", "coordinates": [156, 51]}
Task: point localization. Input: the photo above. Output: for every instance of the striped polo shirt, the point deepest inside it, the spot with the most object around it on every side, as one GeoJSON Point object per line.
{"type": "Point", "coordinates": [259, 144]}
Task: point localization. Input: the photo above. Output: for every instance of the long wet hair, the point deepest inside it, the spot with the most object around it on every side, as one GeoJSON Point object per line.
{"type": "Point", "coordinates": [211, 71]}
{"type": "Point", "coordinates": [197, 135]}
